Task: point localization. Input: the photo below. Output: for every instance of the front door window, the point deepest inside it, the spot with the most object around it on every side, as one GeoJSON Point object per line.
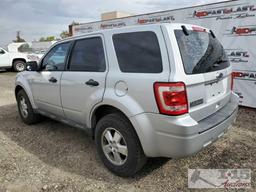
{"type": "Point", "coordinates": [55, 59]}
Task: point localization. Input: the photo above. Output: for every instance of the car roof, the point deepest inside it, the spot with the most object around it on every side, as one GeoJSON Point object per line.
{"type": "Point", "coordinates": [114, 30]}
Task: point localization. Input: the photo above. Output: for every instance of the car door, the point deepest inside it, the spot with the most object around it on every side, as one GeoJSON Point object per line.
{"type": "Point", "coordinates": [46, 83]}
{"type": "Point", "coordinates": [5, 60]}
{"type": "Point", "coordinates": [83, 83]}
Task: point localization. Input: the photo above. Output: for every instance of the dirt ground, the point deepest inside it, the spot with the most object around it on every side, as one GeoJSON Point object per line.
{"type": "Point", "coordinates": [51, 156]}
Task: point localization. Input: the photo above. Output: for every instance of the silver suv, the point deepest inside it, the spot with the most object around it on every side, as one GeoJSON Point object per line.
{"type": "Point", "coordinates": [161, 90]}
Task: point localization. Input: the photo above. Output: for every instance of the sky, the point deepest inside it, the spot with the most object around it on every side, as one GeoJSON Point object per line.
{"type": "Point", "coordinates": [40, 18]}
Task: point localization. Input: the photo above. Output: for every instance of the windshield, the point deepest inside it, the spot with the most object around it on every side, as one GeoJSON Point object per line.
{"type": "Point", "coordinates": [200, 52]}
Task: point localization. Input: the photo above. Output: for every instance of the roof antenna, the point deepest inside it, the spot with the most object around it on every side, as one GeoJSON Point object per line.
{"type": "Point", "coordinates": [184, 29]}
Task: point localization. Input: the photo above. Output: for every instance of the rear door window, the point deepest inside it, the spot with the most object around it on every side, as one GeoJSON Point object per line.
{"type": "Point", "coordinates": [138, 52]}
{"type": "Point", "coordinates": [88, 55]}
{"type": "Point", "coordinates": [200, 52]}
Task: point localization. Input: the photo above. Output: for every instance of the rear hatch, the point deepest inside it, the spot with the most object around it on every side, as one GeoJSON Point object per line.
{"type": "Point", "coordinates": [207, 71]}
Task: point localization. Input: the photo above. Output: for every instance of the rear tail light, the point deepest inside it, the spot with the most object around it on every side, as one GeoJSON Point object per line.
{"type": "Point", "coordinates": [171, 98]}
{"type": "Point", "coordinates": [198, 29]}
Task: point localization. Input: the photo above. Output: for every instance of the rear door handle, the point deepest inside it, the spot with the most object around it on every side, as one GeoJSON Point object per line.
{"type": "Point", "coordinates": [52, 80]}
{"type": "Point", "coordinates": [92, 83]}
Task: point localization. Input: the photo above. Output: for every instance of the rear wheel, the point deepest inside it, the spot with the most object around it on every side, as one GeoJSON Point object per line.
{"type": "Point", "coordinates": [26, 111]}
{"type": "Point", "coordinates": [19, 65]}
{"type": "Point", "coordinates": [118, 145]}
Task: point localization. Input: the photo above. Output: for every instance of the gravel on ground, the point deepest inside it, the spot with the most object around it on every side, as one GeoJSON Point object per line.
{"type": "Point", "coordinates": [51, 156]}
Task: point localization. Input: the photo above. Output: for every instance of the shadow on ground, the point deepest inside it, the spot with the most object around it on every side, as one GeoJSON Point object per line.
{"type": "Point", "coordinates": [63, 147]}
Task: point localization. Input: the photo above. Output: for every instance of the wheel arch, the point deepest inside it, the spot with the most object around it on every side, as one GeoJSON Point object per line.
{"type": "Point", "coordinates": [101, 111]}
{"type": "Point", "coordinates": [18, 59]}
{"type": "Point", "coordinates": [17, 89]}
{"type": "Point", "coordinates": [21, 83]}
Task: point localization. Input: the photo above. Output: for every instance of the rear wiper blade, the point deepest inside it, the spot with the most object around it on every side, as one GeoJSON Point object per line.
{"type": "Point", "coordinates": [217, 63]}
{"type": "Point", "coordinates": [221, 61]}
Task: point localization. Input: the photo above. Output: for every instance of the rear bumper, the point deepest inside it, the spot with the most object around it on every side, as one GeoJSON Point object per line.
{"type": "Point", "coordinates": [168, 136]}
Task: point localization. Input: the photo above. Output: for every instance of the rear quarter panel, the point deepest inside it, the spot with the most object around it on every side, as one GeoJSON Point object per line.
{"type": "Point", "coordinates": [138, 96]}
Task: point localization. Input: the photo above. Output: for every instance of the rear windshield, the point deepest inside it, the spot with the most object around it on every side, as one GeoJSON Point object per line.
{"type": "Point", "coordinates": [200, 52]}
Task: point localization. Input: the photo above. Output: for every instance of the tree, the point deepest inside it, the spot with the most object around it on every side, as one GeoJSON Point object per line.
{"type": "Point", "coordinates": [49, 38]}
{"type": "Point", "coordinates": [18, 38]}
{"type": "Point", "coordinates": [42, 39]}
{"type": "Point", "coordinates": [74, 23]}
{"type": "Point", "coordinates": [64, 34]}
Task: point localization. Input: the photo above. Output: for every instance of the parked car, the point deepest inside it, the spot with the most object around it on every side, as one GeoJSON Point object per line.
{"type": "Point", "coordinates": [161, 90]}
{"type": "Point", "coordinates": [15, 60]}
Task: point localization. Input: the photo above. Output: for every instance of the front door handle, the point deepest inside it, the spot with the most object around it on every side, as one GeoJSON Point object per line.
{"type": "Point", "coordinates": [91, 82]}
{"type": "Point", "coordinates": [52, 80]}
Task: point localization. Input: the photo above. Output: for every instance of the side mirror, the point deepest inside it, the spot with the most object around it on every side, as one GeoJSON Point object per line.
{"type": "Point", "coordinates": [32, 66]}
{"type": "Point", "coordinates": [2, 51]}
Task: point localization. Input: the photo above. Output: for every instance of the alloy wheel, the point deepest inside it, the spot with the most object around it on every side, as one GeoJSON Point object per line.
{"type": "Point", "coordinates": [23, 107]}
{"type": "Point", "coordinates": [114, 146]}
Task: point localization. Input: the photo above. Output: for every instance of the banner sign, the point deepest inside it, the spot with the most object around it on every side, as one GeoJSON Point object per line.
{"type": "Point", "coordinates": [233, 22]}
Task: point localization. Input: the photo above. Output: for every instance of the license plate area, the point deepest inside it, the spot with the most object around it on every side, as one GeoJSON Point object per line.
{"type": "Point", "coordinates": [214, 90]}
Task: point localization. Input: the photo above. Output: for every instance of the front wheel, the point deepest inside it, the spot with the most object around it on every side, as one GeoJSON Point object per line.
{"type": "Point", "coordinates": [26, 111]}
{"type": "Point", "coordinates": [118, 145]}
{"type": "Point", "coordinates": [19, 66]}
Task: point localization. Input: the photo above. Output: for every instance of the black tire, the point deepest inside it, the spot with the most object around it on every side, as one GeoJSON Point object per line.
{"type": "Point", "coordinates": [135, 159]}
{"type": "Point", "coordinates": [31, 116]}
{"type": "Point", "coordinates": [19, 66]}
